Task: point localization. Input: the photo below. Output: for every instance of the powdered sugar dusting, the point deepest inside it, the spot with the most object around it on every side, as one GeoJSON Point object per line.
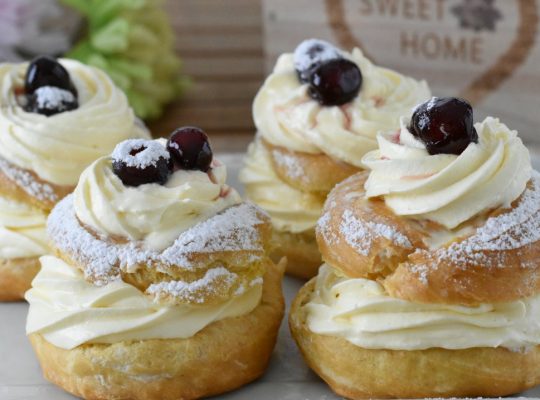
{"type": "Point", "coordinates": [516, 229]}
{"type": "Point", "coordinates": [233, 230]}
{"type": "Point", "coordinates": [423, 119]}
{"type": "Point", "coordinates": [427, 104]}
{"type": "Point", "coordinates": [360, 234]}
{"type": "Point", "coordinates": [50, 97]}
{"type": "Point", "coordinates": [256, 281]}
{"type": "Point", "coordinates": [150, 154]}
{"type": "Point", "coordinates": [288, 162]}
{"type": "Point", "coordinates": [422, 272]}
{"type": "Point", "coordinates": [26, 181]}
{"type": "Point", "coordinates": [197, 291]}
{"type": "Point", "coordinates": [323, 229]}
{"type": "Point", "coordinates": [312, 51]}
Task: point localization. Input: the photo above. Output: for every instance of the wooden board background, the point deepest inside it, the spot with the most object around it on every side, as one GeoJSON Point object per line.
{"type": "Point", "coordinates": [221, 46]}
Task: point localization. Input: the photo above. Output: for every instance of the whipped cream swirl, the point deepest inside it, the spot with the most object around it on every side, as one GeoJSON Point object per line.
{"type": "Point", "coordinates": [22, 230]}
{"type": "Point", "coordinates": [152, 213]}
{"type": "Point", "coordinates": [286, 116]}
{"type": "Point", "coordinates": [291, 210]}
{"type": "Point", "coordinates": [360, 311]}
{"type": "Point", "coordinates": [68, 311]}
{"type": "Point", "coordinates": [59, 147]}
{"type": "Point", "coordinates": [446, 188]}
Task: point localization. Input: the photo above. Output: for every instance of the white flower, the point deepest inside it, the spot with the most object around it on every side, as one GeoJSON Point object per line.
{"type": "Point", "coordinates": [29, 28]}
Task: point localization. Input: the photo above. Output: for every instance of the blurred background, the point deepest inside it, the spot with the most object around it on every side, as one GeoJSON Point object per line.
{"type": "Point", "coordinates": [201, 62]}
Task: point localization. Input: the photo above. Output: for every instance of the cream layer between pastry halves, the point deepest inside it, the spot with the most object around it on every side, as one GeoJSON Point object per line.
{"type": "Point", "coordinates": [68, 311]}
{"type": "Point", "coordinates": [360, 311]}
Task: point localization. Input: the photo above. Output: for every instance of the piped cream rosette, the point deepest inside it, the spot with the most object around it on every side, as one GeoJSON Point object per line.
{"type": "Point", "coordinates": [59, 147]}
{"type": "Point", "coordinates": [286, 116]}
{"type": "Point", "coordinates": [133, 262]}
{"type": "Point", "coordinates": [446, 188]}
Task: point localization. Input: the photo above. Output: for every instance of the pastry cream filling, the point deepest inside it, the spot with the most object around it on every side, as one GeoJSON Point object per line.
{"type": "Point", "coordinates": [286, 116]}
{"type": "Point", "coordinates": [291, 210]}
{"type": "Point", "coordinates": [152, 213]}
{"type": "Point", "coordinates": [69, 311]}
{"type": "Point", "coordinates": [360, 311]}
{"type": "Point", "coordinates": [448, 188]}
{"type": "Point", "coordinates": [59, 147]}
{"type": "Point", "coordinates": [22, 230]}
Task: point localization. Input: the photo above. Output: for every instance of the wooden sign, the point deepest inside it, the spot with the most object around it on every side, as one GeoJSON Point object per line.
{"type": "Point", "coordinates": [487, 51]}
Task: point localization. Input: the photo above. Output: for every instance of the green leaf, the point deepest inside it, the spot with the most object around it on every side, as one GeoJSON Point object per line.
{"type": "Point", "coordinates": [81, 51]}
{"type": "Point", "coordinates": [97, 60]}
{"type": "Point", "coordinates": [143, 37]}
{"type": "Point", "coordinates": [132, 41]}
{"type": "Point", "coordinates": [113, 37]}
{"type": "Point", "coordinates": [104, 11]}
{"type": "Point", "coordinates": [132, 69]}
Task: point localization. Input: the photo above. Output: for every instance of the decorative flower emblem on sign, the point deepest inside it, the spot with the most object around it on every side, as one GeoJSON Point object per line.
{"type": "Point", "coordinates": [477, 14]}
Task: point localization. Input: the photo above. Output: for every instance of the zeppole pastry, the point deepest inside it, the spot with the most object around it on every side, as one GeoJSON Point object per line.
{"type": "Point", "coordinates": [316, 115]}
{"type": "Point", "coordinates": [431, 283]}
{"type": "Point", "coordinates": [161, 286]}
{"type": "Point", "coordinates": [57, 116]}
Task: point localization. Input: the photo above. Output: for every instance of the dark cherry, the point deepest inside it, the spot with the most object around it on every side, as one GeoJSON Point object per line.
{"type": "Point", "coordinates": [444, 124]}
{"type": "Point", "coordinates": [311, 53]}
{"type": "Point", "coordinates": [190, 149]}
{"type": "Point", "coordinates": [335, 82]}
{"type": "Point", "coordinates": [48, 100]}
{"type": "Point", "coordinates": [46, 71]}
{"type": "Point", "coordinates": [158, 172]}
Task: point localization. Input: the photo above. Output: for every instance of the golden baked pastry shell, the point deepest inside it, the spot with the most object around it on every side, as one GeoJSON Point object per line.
{"type": "Point", "coordinates": [358, 373]}
{"type": "Point", "coordinates": [379, 244]}
{"type": "Point", "coordinates": [223, 356]}
{"type": "Point", "coordinates": [13, 190]}
{"type": "Point", "coordinates": [301, 251]}
{"type": "Point", "coordinates": [16, 277]}
{"type": "Point", "coordinates": [308, 172]}
{"type": "Point", "coordinates": [218, 248]}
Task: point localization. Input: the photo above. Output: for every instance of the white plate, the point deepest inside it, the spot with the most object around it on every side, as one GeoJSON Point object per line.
{"type": "Point", "coordinates": [288, 378]}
